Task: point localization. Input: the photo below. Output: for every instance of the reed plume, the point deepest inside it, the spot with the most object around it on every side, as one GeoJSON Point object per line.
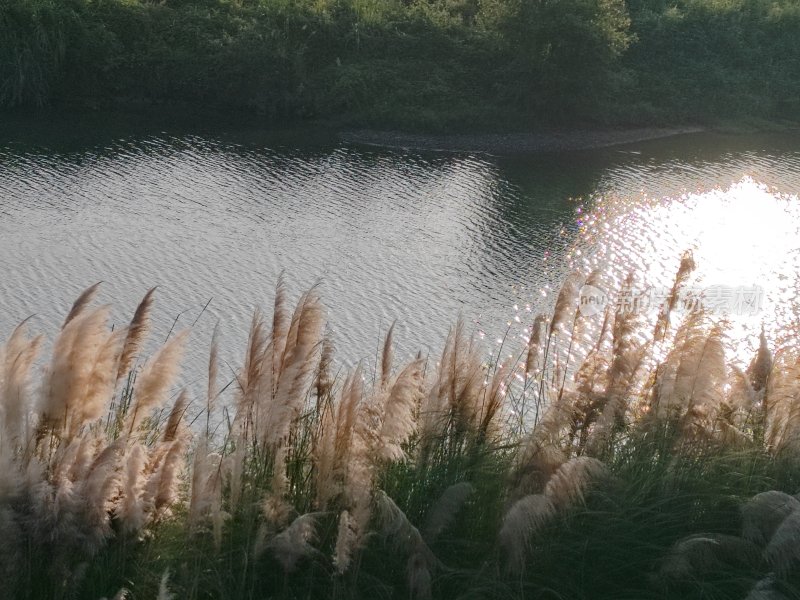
{"type": "Point", "coordinates": [444, 511]}
{"type": "Point", "coordinates": [157, 376]}
{"type": "Point", "coordinates": [81, 303]}
{"type": "Point", "coordinates": [398, 411]}
{"type": "Point", "coordinates": [16, 360]}
{"type": "Point", "coordinates": [293, 379]}
{"type": "Point", "coordinates": [387, 356]}
{"type": "Point", "coordinates": [130, 510]}
{"type": "Point", "coordinates": [75, 352]}
{"type": "Point", "coordinates": [568, 485]}
{"type": "Point", "coordinates": [135, 335]}
{"type": "Point", "coordinates": [346, 542]}
{"type": "Point", "coordinates": [294, 543]}
{"type": "Point", "coordinates": [783, 550]}
{"type": "Point", "coordinates": [764, 513]}
{"type": "Point", "coordinates": [163, 588]}
{"type": "Point", "coordinates": [697, 556]}
{"type": "Point", "coordinates": [73, 483]}
{"type": "Point", "coordinates": [687, 266]}
{"type": "Point", "coordinates": [421, 562]}
{"type": "Point", "coordinates": [522, 521]}
{"type": "Point", "coordinates": [766, 589]}
{"type": "Point", "coordinates": [781, 409]}
{"type": "Point", "coordinates": [452, 406]}
{"type": "Point", "coordinates": [760, 367]}
{"type": "Point", "coordinates": [566, 302]}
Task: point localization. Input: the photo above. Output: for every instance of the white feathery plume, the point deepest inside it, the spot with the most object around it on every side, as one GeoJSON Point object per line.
{"type": "Point", "coordinates": [324, 458]}
{"type": "Point", "coordinates": [135, 335]}
{"type": "Point", "coordinates": [541, 453]}
{"type": "Point", "coordinates": [783, 550]}
{"type": "Point", "coordinates": [685, 269]}
{"type": "Point", "coordinates": [74, 463]}
{"type": "Point", "coordinates": [332, 455]}
{"type": "Point", "coordinates": [781, 408]}
{"type": "Point", "coordinates": [493, 397]}
{"type": "Point", "coordinates": [281, 324]}
{"type": "Point", "coordinates": [294, 379]}
{"type": "Point", "coordinates": [101, 383]}
{"type": "Point", "coordinates": [761, 365]}
{"type": "Point", "coordinates": [568, 485]}
{"type": "Point", "coordinates": [663, 403]}
{"type": "Point", "coordinates": [386, 357]}
{"type": "Point", "coordinates": [163, 588]}
{"type": "Point", "coordinates": [172, 427]}
{"type": "Point", "coordinates": [675, 377]}
{"type": "Point", "coordinates": [130, 509]}
{"type": "Point", "coordinates": [398, 414]}
{"type": "Point", "coordinates": [19, 355]}
{"type": "Point", "coordinates": [707, 392]}
{"type": "Point", "coordinates": [250, 376]}
{"type": "Point", "coordinates": [443, 512]}
{"type": "Point", "coordinates": [346, 542]}
{"type": "Point", "coordinates": [294, 543]}
{"type": "Point", "coordinates": [157, 376]}
{"type": "Point", "coordinates": [763, 514]}
{"type": "Point", "coordinates": [213, 369]}
{"type": "Point", "coordinates": [566, 302]}
{"type": "Point", "coordinates": [696, 556]}
{"type": "Point", "coordinates": [522, 521]}
{"type": "Point", "coordinates": [742, 396]}
{"type": "Point", "coordinates": [535, 345]}
{"type": "Point", "coordinates": [764, 589]}
{"type": "Point", "coordinates": [355, 462]}
{"type": "Point", "coordinates": [169, 475]}
{"type": "Point", "coordinates": [75, 353]}
{"type": "Point", "coordinates": [407, 539]}
{"type": "Point", "coordinates": [97, 489]}
{"type": "Point", "coordinates": [324, 380]}
{"type": "Point", "coordinates": [205, 482]}
{"type": "Point", "coordinates": [276, 510]}
{"type": "Point", "coordinates": [454, 399]}
{"type": "Point", "coordinates": [81, 303]}
{"type": "Point", "coordinates": [628, 352]}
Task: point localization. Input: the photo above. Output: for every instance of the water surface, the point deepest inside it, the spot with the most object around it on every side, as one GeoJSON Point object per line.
{"type": "Point", "coordinates": [212, 217]}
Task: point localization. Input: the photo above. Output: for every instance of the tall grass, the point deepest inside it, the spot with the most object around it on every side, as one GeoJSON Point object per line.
{"type": "Point", "coordinates": [619, 458]}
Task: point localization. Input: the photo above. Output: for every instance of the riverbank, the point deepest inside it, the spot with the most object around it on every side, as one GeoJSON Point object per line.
{"type": "Point", "coordinates": [436, 66]}
{"type": "Point", "coordinates": [513, 143]}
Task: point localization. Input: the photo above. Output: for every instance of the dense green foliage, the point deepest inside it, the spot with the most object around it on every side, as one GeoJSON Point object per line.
{"type": "Point", "coordinates": [415, 63]}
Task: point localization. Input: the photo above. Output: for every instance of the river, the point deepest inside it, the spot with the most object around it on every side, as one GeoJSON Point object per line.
{"type": "Point", "coordinates": [213, 215]}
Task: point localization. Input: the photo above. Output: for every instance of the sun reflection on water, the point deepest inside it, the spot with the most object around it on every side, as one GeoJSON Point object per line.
{"type": "Point", "coordinates": [744, 240]}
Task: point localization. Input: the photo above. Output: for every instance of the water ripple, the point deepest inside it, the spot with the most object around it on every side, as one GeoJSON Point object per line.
{"type": "Point", "coordinates": [387, 234]}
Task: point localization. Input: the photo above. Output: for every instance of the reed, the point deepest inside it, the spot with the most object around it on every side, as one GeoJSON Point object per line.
{"type": "Point", "coordinates": [645, 464]}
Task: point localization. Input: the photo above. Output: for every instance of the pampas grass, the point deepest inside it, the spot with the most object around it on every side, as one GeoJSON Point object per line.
{"type": "Point", "coordinates": [135, 334]}
{"type": "Point", "coordinates": [763, 514]}
{"type": "Point", "coordinates": [294, 542]}
{"type": "Point", "coordinates": [437, 477]}
{"type": "Point", "coordinates": [520, 524]}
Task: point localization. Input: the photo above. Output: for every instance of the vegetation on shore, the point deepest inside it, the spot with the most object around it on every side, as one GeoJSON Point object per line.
{"type": "Point", "coordinates": [618, 456]}
{"type": "Point", "coordinates": [423, 64]}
